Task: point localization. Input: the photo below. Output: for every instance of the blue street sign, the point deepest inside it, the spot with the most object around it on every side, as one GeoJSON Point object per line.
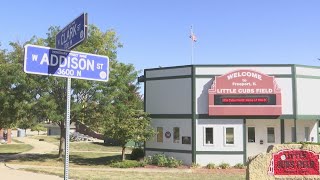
{"type": "Point", "coordinates": [63, 63]}
{"type": "Point", "coordinates": [73, 34]}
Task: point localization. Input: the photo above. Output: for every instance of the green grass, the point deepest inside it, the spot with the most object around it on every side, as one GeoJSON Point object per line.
{"type": "Point", "coordinates": [110, 174]}
{"type": "Point", "coordinates": [14, 148]}
{"type": "Point", "coordinates": [94, 146]}
{"type": "Point", "coordinates": [82, 146]}
{"type": "Point", "coordinates": [17, 141]}
{"type": "Point", "coordinates": [50, 139]}
{"type": "Point", "coordinates": [84, 159]}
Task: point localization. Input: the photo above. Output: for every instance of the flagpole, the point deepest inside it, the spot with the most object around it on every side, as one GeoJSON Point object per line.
{"type": "Point", "coordinates": [191, 34]}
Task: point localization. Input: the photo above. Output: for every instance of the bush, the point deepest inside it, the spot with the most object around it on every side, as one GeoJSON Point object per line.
{"type": "Point", "coordinates": [127, 164]}
{"type": "Point", "coordinates": [239, 166]}
{"type": "Point", "coordinates": [224, 165]}
{"type": "Point", "coordinates": [137, 154]}
{"type": "Point", "coordinates": [148, 160]}
{"type": "Point", "coordinates": [172, 162]}
{"type": "Point", "coordinates": [211, 166]}
{"type": "Point", "coordinates": [163, 161]}
{"type": "Point", "coordinates": [159, 160]}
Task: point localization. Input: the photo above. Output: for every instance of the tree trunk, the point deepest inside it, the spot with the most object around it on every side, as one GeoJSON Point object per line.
{"type": "Point", "coordinates": [25, 132]}
{"type": "Point", "coordinates": [123, 153]}
{"type": "Point", "coordinates": [62, 140]}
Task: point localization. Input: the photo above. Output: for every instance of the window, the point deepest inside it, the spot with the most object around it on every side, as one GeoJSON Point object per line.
{"type": "Point", "coordinates": [176, 135]}
{"type": "Point", "coordinates": [251, 134]}
{"type": "Point", "coordinates": [293, 134]}
{"type": "Point", "coordinates": [208, 135]}
{"type": "Point", "coordinates": [159, 134]}
{"type": "Point", "coordinates": [271, 137]}
{"type": "Point", "coordinates": [229, 135]}
{"type": "Point", "coordinates": [306, 133]}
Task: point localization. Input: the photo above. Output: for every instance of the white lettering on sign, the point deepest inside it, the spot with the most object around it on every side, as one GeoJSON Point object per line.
{"type": "Point", "coordinates": [81, 62]}
{"type": "Point", "coordinates": [34, 57]}
{"type": "Point", "coordinates": [69, 34]}
{"type": "Point", "coordinates": [244, 91]}
{"type": "Point", "coordinates": [244, 74]}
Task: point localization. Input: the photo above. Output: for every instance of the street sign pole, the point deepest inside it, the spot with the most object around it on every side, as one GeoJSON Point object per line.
{"type": "Point", "coordinates": [67, 126]}
{"type": "Point", "coordinates": [77, 31]}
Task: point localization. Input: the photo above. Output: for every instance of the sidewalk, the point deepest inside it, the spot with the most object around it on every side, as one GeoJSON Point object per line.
{"type": "Point", "coordinates": [39, 147]}
{"type": "Point", "coordinates": [13, 174]}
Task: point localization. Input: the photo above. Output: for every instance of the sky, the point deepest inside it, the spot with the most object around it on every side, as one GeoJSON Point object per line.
{"type": "Point", "coordinates": [156, 32]}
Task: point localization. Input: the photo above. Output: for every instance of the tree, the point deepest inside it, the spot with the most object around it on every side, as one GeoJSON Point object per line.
{"type": "Point", "coordinates": [87, 96]}
{"type": "Point", "coordinates": [14, 95]}
{"type": "Point", "coordinates": [38, 127]}
{"type": "Point", "coordinates": [125, 120]}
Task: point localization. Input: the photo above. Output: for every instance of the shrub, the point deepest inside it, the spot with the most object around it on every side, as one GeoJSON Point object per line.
{"type": "Point", "coordinates": [148, 160]}
{"type": "Point", "coordinates": [195, 165]}
{"type": "Point", "coordinates": [224, 165]}
{"type": "Point", "coordinates": [137, 154]}
{"type": "Point", "coordinates": [211, 166]}
{"type": "Point", "coordinates": [239, 166]}
{"type": "Point", "coordinates": [172, 162]}
{"type": "Point", "coordinates": [127, 164]}
{"type": "Point", "coordinates": [159, 160]}
{"type": "Point", "coordinates": [162, 161]}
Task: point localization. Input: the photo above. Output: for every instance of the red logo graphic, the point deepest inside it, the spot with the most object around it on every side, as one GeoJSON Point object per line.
{"type": "Point", "coordinates": [294, 162]}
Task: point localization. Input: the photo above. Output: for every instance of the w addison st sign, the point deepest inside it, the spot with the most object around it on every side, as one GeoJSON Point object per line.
{"type": "Point", "coordinates": [244, 92]}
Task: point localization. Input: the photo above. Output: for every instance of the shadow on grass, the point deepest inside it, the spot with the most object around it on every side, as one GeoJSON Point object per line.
{"type": "Point", "coordinates": [82, 159]}
{"type": "Point", "coordinates": [32, 157]}
{"type": "Point", "coordinates": [94, 161]}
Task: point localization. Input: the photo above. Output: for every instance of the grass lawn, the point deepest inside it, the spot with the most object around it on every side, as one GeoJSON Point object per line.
{"type": "Point", "coordinates": [14, 148]}
{"type": "Point", "coordinates": [83, 159]}
{"type": "Point", "coordinates": [51, 139]}
{"type": "Point", "coordinates": [82, 146]}
{"type": "Point", "coordinates": [94, 146]}
{"type": "Point", "coordinates": [101, 175]}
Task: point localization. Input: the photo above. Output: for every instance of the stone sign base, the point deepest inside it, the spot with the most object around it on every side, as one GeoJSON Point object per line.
{"type": "Point", "coordinates": [286, 162]}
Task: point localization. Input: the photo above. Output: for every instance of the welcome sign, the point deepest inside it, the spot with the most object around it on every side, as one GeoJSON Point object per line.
{"type": "Point", "coordinates": [244, 92]}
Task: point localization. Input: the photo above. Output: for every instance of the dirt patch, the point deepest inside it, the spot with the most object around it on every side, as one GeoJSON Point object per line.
{"type": "Point", "coordinates": [232, 171]}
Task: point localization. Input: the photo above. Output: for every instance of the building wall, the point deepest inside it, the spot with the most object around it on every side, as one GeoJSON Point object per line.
{"type": "Point", "coordinates": [219, 152]}
{"type": "Point", "coordinates": [308, 71]}
{"type": "Point", "coordinates": [219, 126]}
{"type": "Point", "coordinates": [168, 147]}
{"type": "Point", "coordinates": [261, 126]}
{"type": "Point", "coordinates": [168, 72]}
{"type": "Point", "coordinates": [171, 96]}
{"type": "Point", "coordinates": [231, 159]}
{"type": "Point", "coordinates": [168, 125]}
{"type": "Point", "coordinates": [220, 70]}
{"type": "Point", "coordinates": [307, 96]}
{"type": "Point", "coordinates": [301, 124]}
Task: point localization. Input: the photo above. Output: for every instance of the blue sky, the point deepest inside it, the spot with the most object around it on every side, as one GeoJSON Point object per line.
{"type": "Point", "coordinates": [156, 33]}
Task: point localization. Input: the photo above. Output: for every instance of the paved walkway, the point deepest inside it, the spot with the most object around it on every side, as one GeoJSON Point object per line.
{"type": "Point", "coordinates": [14, 174]}
{"type": "Point", "coordinates": [39, 147]}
